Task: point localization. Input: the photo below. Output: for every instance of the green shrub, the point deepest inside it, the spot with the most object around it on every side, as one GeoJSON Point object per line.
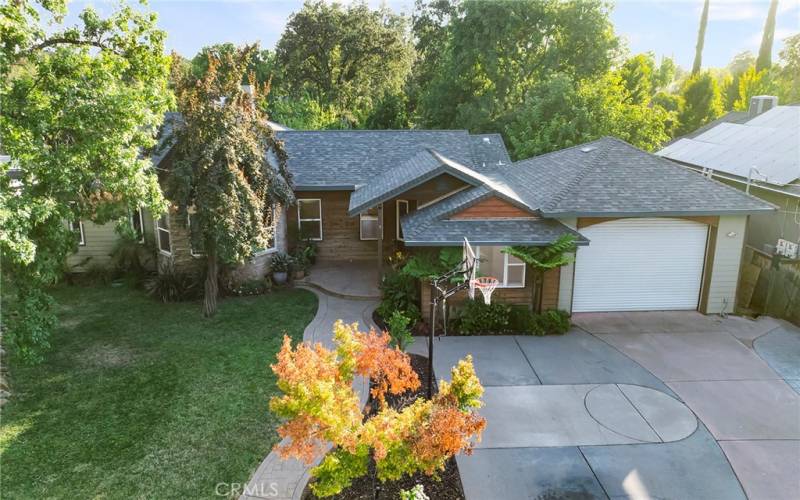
{"type": "Point", "coordinates": [475, 317]}
{"type": "Point", "coordinates": [398, 330]}
{"type": "Point", "coordinates": [251, 287]}
{"type": "Point", "coordinates": [280, 263]}
{"type": "Point", "coordinates": [399, 292]}
{"type": "Point", "coordinates": [554, 322]}
{"type": "Point", "coordinates": [170, 285]}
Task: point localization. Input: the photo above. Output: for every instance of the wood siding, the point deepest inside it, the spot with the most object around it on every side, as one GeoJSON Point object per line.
{"type": "Point", "coordinates": [341, 238]}
{"type": "Point", "coordinates": [433, 189]}
{"type": "Point", "coordinates": [492, 208]}
{"type": "Point", "coordinates": [100, 242]}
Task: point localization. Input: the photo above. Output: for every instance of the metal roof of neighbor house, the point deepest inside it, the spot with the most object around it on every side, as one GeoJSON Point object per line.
{"type": "Point", "coordinates": [344, 159]}
{"type": "Point", "coordinates": [770, 142]}
{"type": "Point", "coordinates": [431, 226]}
{"type": "Point", "coordinates": [609, 177]}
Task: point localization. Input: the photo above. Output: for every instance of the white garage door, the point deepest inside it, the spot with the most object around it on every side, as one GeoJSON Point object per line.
{"type": "Point", "coordinates": [640, 265]}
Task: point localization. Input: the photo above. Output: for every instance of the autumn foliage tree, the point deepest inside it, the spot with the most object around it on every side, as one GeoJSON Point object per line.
{"type": "Point", "coordinates": [322, 407]}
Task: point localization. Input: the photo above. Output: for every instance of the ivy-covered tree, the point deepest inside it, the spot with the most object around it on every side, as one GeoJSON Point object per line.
{"type": "Point", "coordinates": [702, 102]}
{"type": "Point", "coordinates": [561, 113]}
{"type": "Point", "coordinates": [347, 57]}
{"type": "Point", "coordinates": [222, 169]}
{"type": "Point", "coordinates": [542, 259]}
{"type": "Point", "coordinates": [79, 105]}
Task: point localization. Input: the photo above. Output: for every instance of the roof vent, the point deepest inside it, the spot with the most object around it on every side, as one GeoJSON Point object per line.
{"type": "Point", "coordinates": [761, 104]}
{"type": "Point", "coordinates": [588, 149]}
{"type": "Point", "coordinates": [487, 140]}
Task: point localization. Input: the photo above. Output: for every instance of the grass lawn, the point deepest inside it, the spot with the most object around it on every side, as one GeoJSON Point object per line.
{"type": "Point", "coordinates": [140, 399]}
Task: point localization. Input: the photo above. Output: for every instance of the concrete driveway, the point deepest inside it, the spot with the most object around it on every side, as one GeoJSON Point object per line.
{"type": "Point", "coordinates": [637, 405]}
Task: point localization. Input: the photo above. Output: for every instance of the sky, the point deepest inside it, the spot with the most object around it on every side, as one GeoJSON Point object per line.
{"type": "Point", "coordinates": [666, 27]}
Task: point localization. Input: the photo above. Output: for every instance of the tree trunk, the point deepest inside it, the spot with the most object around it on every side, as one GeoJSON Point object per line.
{"type": "Point", "coordinates": [211, 284]}
{"type": "Point", "coordinates": [764, 60]}
{"type": "Point", "coordinates": [536, 291]}
{"type": "Point", "coordinates": [701, 38]}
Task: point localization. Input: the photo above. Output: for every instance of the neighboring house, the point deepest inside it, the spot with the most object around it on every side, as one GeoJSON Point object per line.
{"type": "Point", "coordinates": [759, 152]}
{"type": "Point", "coordinates": [651, 235]}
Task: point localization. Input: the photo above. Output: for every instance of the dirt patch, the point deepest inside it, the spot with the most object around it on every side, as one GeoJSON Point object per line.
{"type": "Point", "coordinates": [107, 356]}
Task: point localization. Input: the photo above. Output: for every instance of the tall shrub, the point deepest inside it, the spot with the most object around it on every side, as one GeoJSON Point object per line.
{"type": "Point", "coordinates": [321, 407]}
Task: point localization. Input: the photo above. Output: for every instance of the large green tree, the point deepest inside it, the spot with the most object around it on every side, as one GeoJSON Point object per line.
{"type": "Point", "coordinates": [346, 57]}
{"type": "Point", "coordinates": [639, 75]}
{"type": "Point", "coordinates": [493, 52]}
{"type": "Point", "coordinates": [702, 102]}
{"type": "Point", "coordinates": [79, 105]}
{"type": "Point", "coordinates": [222, 172]}
{"type": "Point", "coordinates": [560, 112]}
{"type": "Point", "coordinates": [701, 40]}
{"type": "Point", "coordinates": [764, 60]}
{"type": "Point", "coordinates": [753, 83]}
{"type": "Point", "coordinates": [788, 75]}
{"type": "Point", "coordinates": [261, 63]}
{"type": "Point", "coordinates": [740, 63]}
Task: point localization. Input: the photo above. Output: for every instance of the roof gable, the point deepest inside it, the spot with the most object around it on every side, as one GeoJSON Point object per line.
{"type": "Point", "coordinates": [492, 207]}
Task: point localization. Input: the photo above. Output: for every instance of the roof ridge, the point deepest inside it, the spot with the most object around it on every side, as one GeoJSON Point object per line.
{"type": "Point", "coordinates": [556, 198]}
{"type": "Point", "coordinates": [351, 130]}
{"type": "Point", "coordinates": [549, 153]}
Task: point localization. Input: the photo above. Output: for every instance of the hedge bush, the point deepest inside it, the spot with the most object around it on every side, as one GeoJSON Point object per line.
{"type": "Point", "coordinates": [477, 318]}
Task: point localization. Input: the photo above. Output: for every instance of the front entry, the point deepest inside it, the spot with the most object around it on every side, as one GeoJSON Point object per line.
{"type": "Point", "coordinates": [640, 265]}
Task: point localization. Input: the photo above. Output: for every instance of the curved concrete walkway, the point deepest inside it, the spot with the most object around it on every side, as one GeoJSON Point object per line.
{"type": "Point", "coordinates": [278, 479]}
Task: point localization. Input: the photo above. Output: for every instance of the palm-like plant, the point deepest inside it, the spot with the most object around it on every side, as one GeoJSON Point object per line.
{"type": "Point", "coordinates": [542, 259]}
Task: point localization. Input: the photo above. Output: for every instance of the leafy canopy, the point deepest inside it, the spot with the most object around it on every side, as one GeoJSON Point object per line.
{"type": "Point", "coordinates": [321, 407]}
{"type": "Point", "coordinates": [80, 104]}
{"type": "Point", "coordinates": [345, 57]}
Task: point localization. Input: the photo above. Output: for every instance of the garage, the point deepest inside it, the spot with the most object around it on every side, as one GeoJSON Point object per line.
{"type": "Point", "coordinates": [640, 264]}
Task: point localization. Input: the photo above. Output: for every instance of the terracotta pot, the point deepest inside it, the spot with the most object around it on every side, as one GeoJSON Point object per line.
{"type": "Point", "coordinates": [298, 275]}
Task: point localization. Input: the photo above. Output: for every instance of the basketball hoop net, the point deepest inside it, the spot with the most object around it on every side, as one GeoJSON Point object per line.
{"type": "Point", "coordinates": [486, 284]}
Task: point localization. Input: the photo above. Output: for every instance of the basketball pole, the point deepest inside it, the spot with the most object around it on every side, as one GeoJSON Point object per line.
{"type": "Point", "coordinates": [434, 300]}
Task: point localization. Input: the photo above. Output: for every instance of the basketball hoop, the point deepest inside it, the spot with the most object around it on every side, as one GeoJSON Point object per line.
{"type": "Point", "coordinates": [486, 284]}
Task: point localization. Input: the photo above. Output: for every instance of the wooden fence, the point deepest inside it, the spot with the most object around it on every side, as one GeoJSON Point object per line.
{"type": "Point", "coordinates": [769, 285]}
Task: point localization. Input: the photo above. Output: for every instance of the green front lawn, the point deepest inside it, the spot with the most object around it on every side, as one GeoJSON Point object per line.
{"type": "Point", "coordinates": [140, 399]}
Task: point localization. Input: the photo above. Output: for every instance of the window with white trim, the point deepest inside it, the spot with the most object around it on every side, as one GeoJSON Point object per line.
{"type": "Point", "coordinates": [163, 236]}
{"type": "Point", "coordinates": [402, 211]}
{"type": "Point", "coordinates": [137, 223]}
{"type": "Point", "coordinates": [77, 228]}
{"type": "Point", "coordinates": [271, 221]}
{"type": "Point", "coordinates": [195, 237]}
{"type": "Point", "coordinates": [509, 270]}
{"type": "Point", "coordinates": [309, 218]}
{"type": "Point", "coordinates": [369, 225]}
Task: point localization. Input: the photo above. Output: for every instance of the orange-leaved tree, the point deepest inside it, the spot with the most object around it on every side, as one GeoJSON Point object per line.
{"type": "Point", "coordinates": [321, 407]}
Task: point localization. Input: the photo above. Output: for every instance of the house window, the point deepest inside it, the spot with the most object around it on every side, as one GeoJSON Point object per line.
{"type": "Point", "coordinates": [309, 218]}
{"type": "Point", "coordinates": [509, 270]}
{"type": "Point", "coordinates": [369, 226]}
{"type": "Point", "coordinates": [195, 236]}
{"type": "Point", "coordinates": [162, 235]}
{"type": "Point", "coordinates": [271, 221]}
{"type": "Point", "coordinates": [77, 229]}
{"type": "Point", "coordinates": [137, 223]}
{"type": "Point", "coordinates": [402, 211]}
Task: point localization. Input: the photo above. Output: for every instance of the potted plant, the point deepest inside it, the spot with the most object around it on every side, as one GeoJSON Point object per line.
{"type": "Point", "coordinates": [300, 262]}
{"type": "Point", "coordinates": [280, 267]}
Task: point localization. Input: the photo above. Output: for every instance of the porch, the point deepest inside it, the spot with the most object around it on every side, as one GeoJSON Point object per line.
{"type": "Point", "coordinates": [353, 279]}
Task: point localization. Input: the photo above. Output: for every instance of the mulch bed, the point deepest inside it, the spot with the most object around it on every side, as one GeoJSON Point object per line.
{"type": "Point", "coordinates": [446, 487]}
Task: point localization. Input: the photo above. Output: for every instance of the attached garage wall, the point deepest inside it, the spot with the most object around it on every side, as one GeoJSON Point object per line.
{"type": "Point", "coordinates": [640, 264]}
{"type": "Point", "coordinates": [721, 293]}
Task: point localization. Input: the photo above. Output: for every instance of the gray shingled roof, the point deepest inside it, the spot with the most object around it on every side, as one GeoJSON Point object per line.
{"type": "Point", "coordinates": [431, 225]}
{"type": "Point", "coordinates": [344, 159]}
{"type": "Point", "coordinates": [609, 177]}
{"type": "Point", "coordinates": [166, 137]}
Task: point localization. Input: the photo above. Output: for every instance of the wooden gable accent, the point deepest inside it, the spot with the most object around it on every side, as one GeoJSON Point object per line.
{"type": "Point", "coordinates": [433, 188]}
{"type": "Point", "coordinates": [492, 208]}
